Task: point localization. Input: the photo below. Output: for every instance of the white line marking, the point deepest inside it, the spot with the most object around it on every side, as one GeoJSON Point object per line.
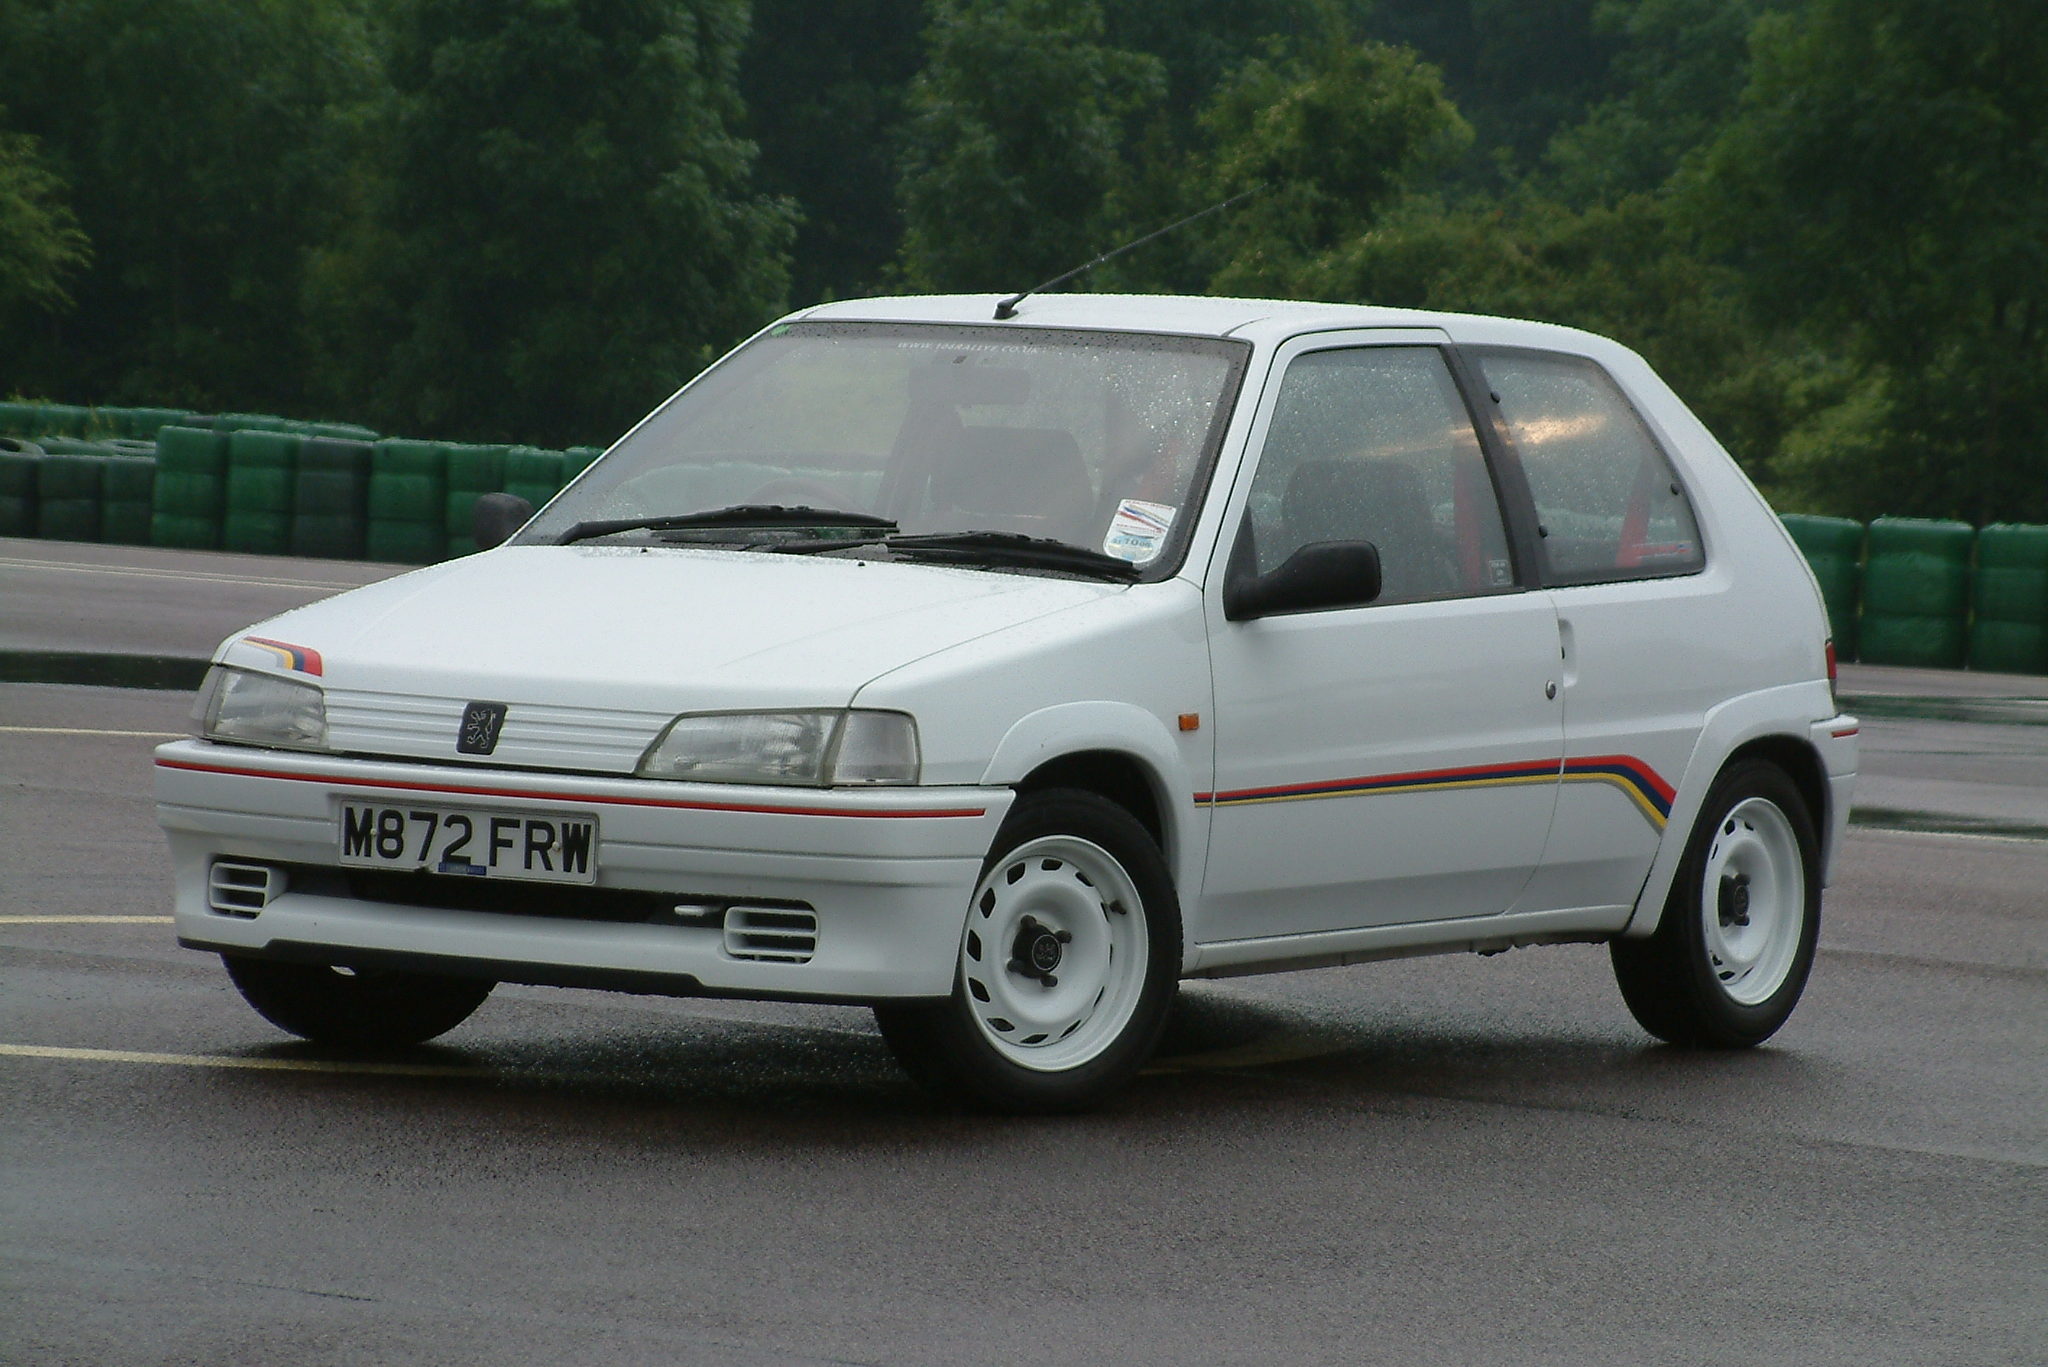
{"type": "Point", "coordinates": [88, 731]}
{"type": "Point", "coordinates": [278, 1065]}
{"type": "Point", "coordinates": [86, 920]}
{"type": "Point", "coordinates": [143, 572]}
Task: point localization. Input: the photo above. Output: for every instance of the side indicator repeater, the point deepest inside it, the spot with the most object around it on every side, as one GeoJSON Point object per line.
{"type": "Point", "coordinates": [1191, 721]}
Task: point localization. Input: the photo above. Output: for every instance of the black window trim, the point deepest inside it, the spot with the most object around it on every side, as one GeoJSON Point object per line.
{"type": "Point", "coordinates": [1525, 525]}
{"type": "Point", "coordinates": [1510, 489]}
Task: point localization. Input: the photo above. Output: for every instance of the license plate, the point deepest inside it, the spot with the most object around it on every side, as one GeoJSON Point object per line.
{"type": "Point", "coordinates": [547, 847]}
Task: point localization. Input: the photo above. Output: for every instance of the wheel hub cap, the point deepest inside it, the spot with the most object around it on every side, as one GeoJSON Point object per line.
{"type": "Point", "coordinates": [1053, 960]}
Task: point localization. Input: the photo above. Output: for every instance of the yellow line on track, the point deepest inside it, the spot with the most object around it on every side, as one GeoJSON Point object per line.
{"type": "Point", "coordinates": [85, 920]}
{"type": "Point", "coordinates": [275, 1065]}
{"type": "Point", "coordinates": [88, 731]}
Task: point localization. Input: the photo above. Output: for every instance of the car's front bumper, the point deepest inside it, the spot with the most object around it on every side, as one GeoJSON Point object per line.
{"type": "Point", "coordinates": [887, 871]}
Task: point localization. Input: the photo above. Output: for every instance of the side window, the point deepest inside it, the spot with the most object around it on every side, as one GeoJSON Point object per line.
{"type": "Point", "coordinates": [1374, 444]}
{"type": "Point", "coordinates": [1606, 500]}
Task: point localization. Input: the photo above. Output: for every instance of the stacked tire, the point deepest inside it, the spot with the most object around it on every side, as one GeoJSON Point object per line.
{"type": "Point", "coordinates": [128, 496]}
{"type": "Point", "coordinates": [472, 472]}
{"type": "Point", "coordinates": [2009, 600]}
{"type": "Point", "coordinates": [20, 463]}
{"type": "Point", "coordinates": [331, 499]}
{"type": "Point", "coordinates": [1833, 547]}
{"type": "Point", "coordinates": [533, 474]}
{"type": "Point", "coordinates": [70, 486]}
{"type": "Point", "coordinates": [1916, 593]}
{"type": "Point", "coordinates": [262, 469]}
{"type": "Point", "coordinates": [191, 488]}
{"type": "Point", "coordinates": [408, 492]}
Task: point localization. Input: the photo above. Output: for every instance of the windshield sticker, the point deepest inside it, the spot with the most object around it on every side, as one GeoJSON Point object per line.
{"type": "Point", "coordinates": [1138, 531]}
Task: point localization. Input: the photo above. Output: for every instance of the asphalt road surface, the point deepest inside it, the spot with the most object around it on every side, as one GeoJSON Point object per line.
{"type": "Point", "coordinates": [1438, 1161]}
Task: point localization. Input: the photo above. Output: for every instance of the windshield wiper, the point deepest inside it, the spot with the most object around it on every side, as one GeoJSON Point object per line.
{"type": "Point", "coordinates": [738, 515]}
{"type": "Point", "coordinates": [1012, 548]}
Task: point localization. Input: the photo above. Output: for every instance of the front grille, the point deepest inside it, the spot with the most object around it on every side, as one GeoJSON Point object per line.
{"type": "Point", "coordinates": [242, 890]}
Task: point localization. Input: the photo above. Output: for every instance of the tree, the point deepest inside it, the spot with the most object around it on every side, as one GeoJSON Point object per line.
{"type": "Point", "coordinates": [1022, 127]}
{"type": "Point", "coordinates": [40, 244]}
{"type": "Point", "coordinates": [1327, 140]}
{"type": "Point", "coordinates": [201, 143]}
{"type": "Point", "coordinates": [825, 82]}
{"type": "Point", "coordinates": [559, 225]}
{"type": "Point", "coordinates": [1884, 187]}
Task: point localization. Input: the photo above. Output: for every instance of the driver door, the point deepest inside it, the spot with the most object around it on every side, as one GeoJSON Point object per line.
{"type": "Point", "coordinates": [1398, 761]}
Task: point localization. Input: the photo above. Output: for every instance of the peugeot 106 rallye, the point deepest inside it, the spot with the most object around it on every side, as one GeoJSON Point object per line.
{"type": "Point", "coordinates": [998, 668]}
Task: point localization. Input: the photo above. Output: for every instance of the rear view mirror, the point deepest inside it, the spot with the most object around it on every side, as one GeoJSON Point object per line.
{"type": "Point", "coordinates": [1322, 574]}
{"type": "Point", "coordinates": [495, 517]}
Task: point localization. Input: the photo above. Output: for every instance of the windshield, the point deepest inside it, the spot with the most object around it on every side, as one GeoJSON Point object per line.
{"type": "Point", "coordinates": [1101, 441]}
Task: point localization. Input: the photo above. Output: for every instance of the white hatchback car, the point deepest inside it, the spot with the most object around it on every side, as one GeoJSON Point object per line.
{"type": "Point", "coordinates": [1000, 674]}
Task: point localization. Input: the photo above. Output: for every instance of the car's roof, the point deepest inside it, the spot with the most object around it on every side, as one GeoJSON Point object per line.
{"type": "Point", "coordinates": [1257, 319]}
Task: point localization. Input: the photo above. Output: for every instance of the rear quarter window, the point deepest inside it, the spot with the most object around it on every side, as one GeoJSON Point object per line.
{"type": "Point", "coordinates": [1608, 504]}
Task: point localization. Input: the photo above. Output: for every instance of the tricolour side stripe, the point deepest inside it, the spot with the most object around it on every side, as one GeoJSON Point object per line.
{"type": "Point", "coordinates": [574, 799]}
{"type": "Point", "coordinates": [1648, 792]}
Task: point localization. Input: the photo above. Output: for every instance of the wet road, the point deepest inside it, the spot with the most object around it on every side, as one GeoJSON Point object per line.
{"type": "Point", "coordinates": [1437, 1161]}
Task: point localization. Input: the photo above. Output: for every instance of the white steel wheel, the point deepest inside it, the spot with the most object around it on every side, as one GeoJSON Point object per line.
{"type": "Point", "coordinates": [1730, 957]}
{"type": "Point", "coordinates": [1053, 960]}
{"type": "Point", "coordinates": [1753, 897]}
{"type": "Point", "coordinates": [1068, 962]}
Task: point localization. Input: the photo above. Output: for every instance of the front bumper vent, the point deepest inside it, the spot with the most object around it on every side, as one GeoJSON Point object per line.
{"type": "Point", "coordinates": [243, 890]}
{"type": "Point", "coordinates": [777, 934]}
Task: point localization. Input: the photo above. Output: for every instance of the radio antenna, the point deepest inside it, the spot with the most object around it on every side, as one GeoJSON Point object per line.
{"type": "Point", "coordinates": [1007, 308]}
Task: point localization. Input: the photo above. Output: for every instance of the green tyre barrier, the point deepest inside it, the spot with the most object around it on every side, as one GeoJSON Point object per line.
{"type": "Point", "coordinates": [183, 494]}
{"type": "Point", "coordinates": [129, 485]}
{"type": "Point", "coordinates": [18, 468]}
{"type": "Point", "coordinates": [192, 450]}
{"type": "Point", "coordinates": [261, 468]}
{"type": "Point", "coordinates": [330, 515]}
{"type": "Point", "coordinates": [1833, 547]}
{"type": "Point", "coordinates": [405, 543]}
{"type": "Point", "coordinates": [1916, 593]}
{"type": "Point", "coordinates": [69, 489]}
{"type": "Point", "coordinates": [472, 472]}
{"type": "Point", "coordinates": [533, 474]}
{"type": "Point", "coordinates": [179, 531]}
{"type": "Point", "coordinates": [2009, 600]}
{"type": "Point", "coordinates": [256, 533]}
{"type": "Point", "coordinates": [60, 420]}
{"type": "Point", "coordinates": [75, 446]}
{"type": "Point", "coordinates": [577, 459]}
{"type": "Point", "coordinates": [17, 419]}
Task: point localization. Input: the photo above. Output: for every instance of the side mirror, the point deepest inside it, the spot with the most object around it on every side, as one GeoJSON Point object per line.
{"type": "Point", "coordinates": [495, 517]}
{"type": "Point", "coordinates": [1322, 574]}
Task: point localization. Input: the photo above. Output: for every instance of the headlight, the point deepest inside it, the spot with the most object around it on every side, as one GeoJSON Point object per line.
{"type": "Point", "coordinates": [247, 708]}
{"type": "Point", "coordinates": [814, 749]}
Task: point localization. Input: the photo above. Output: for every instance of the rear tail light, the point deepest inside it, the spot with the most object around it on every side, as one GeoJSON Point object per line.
{"type": "Point", "coordinates": [1834, 693]}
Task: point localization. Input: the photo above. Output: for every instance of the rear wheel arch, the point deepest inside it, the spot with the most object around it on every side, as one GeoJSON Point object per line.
{"type": "Point", "coordinates": [1801, 763]}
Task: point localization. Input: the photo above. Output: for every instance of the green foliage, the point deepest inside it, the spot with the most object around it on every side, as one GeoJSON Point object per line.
{"type": "Point", "coordinates": [1331, 137]}
{"type": "Point", "coordinates": [824, 82]}
{"type": "Point", "coordinates": [199, 141]}
{"type": "Point", "coordinates": [40, 243]}
{"type": "Point", "coordinates": [559, 226]}
{"type": "Point", "coordinates": [1021, 131]}
{"type": "Point", "coordinates": [1676, 75]}
{"type": "Point", "coordinates": [1884, 186]}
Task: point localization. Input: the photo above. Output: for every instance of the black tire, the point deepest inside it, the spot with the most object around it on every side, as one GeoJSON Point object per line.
{"type": "Point", "coordinates": [1097, 878]}
{"type": "Point", "coordinates": [1729, 959]}
{"type": "Point", "coordinates": [369, 1008]}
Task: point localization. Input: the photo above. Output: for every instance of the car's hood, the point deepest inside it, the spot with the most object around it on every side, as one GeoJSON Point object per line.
{"type": "Point", "coordinates": [656, 629]}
